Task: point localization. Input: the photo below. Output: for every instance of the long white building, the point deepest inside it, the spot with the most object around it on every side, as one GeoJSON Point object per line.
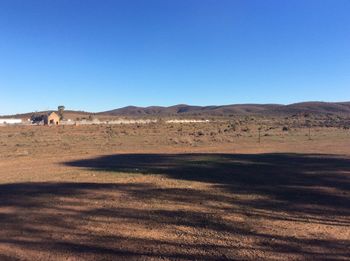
{"type": "Point", "coordinates": [10, 121]}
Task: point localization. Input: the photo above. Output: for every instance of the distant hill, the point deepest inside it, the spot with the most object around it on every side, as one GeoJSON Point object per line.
{"type": "Point", "coordinates": [336, 108]}
{"type": "Point", "coordinates": [235, 109]}
{"type": "Point", "coordinates": [183, 109]}
{"type": "Point", "coordinates": [317, 107]}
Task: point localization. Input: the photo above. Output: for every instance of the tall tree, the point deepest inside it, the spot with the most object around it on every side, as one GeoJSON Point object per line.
{"type": "Point", "coordinates": [60, 111]}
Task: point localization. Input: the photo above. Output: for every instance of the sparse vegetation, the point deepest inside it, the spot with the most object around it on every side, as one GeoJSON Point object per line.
{"type": "Point", "coordinates": [199, 184]}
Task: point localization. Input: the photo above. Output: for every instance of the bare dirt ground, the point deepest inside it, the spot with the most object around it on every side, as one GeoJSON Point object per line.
{"type": "Point", "coordinates": [206, 191]}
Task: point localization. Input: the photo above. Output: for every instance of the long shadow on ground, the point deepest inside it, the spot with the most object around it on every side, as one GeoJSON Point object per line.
{"type": "Point", "coordinates": [291, 179]}
{"type": "Point", "coordinates": [108, 221]}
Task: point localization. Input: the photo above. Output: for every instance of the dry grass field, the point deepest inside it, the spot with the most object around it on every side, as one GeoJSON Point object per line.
{"type": "Point", "coordinates": [203, 191]}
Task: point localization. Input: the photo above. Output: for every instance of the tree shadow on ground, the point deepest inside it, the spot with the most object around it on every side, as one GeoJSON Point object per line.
{"type": "Point", "coordinates": [290, 179]}
{"type": "Point", "coordinates": [108, 221]}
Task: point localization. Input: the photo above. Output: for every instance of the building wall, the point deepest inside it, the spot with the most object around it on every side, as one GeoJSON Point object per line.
{"type": "Point", "coordinates": [53, 117]}
{"type": "Point", "coordinates": [10, 121]}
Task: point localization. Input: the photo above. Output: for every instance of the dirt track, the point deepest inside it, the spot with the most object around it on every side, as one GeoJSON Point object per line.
{"type": "Point", "coordinates": [96, 193]}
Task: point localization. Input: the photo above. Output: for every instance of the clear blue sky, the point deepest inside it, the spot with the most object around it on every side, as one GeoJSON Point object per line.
{"type": "Point", "coordinates": [100, 55]}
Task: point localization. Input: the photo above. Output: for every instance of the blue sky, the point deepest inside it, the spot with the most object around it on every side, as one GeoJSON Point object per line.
{"type": "Point", "coordinates": [100, 55]}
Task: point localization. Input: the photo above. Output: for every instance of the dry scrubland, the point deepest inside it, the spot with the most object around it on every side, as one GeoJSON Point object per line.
{"type": "Point", "coordinates": [205, 191]}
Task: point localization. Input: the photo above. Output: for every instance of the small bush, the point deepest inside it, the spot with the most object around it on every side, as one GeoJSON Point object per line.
{"type": "Point", "coordinates": [200, 133]}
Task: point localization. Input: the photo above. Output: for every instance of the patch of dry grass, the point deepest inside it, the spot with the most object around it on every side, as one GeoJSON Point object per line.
{"type": "Point", "coordinates": [175, 191]}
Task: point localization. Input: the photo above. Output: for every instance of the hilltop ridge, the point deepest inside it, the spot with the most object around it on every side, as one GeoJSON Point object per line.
{"type": "Point", "coordinates": [314, 107]}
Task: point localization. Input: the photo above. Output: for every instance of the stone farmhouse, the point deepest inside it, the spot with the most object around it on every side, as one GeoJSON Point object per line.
{"type": "Point", "coordinates": [50, 118]}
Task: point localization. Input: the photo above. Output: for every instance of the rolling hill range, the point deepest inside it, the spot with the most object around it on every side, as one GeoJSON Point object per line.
{"type": "Point", "coordinates": [336, 108]}
{"type": "Point", "coordinates": [240, 109]}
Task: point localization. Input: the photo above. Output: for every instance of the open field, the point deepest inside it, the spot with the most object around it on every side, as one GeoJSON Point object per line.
{"type": "Point", "coordinates": [199, 191]}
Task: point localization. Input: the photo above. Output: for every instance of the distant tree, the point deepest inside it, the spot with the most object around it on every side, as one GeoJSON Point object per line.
{"type": "Point", "coordinates": [309, 125]}
{"type": "Point", "coordinates": [37, 119]}
{"type": "Point", "coordinates": [259, 132]}
{"type": "Point", "coordinates": [61, 111]}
